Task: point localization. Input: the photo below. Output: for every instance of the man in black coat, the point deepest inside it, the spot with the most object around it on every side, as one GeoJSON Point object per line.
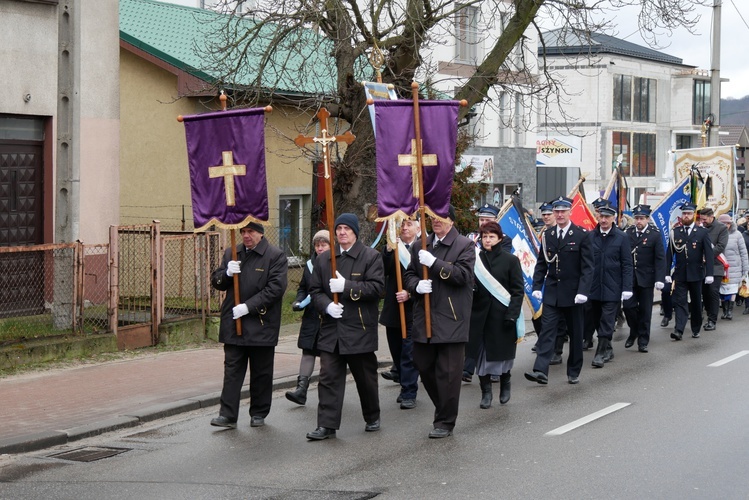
{"type": "Point", "coordinates": [348, 330]}
{"type": "Point", "coordinates": [262, 271]}
{"type": "Point", "coordinates": [565, 272]}
{"type": "Point", "coordinates": [450, 258]}
{"type": "Point", "coordinates": [691, 247]}
{"type": "Point", "coordinates": [649, 261]}
{"type": "Point", "coordinates": [403, 371]}
{"type": "Point", "coordinates": [711, 292]}
{"type": "Point", "coordinates": [612, 281]}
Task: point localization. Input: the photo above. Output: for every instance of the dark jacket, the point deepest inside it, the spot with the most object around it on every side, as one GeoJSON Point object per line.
{"type": "Point", "coordinates": [356, 331]}
{"type": "Point", "coordinates": [262, 284]}
{"type": "Point", "coordinates": [310, 318]}
{"type": "Point", "coordinates": [648, 256]}
{"type": "Point", "coordinates": [693, 252]}
{"type": "Point", "coordinates": [570, 268]}
{"type": "Point", "coordinates": [452, 289]}
{"type": "Point", "coordinates": [719, 238]}
{"type": "Point", "coordinates": [612, 261]}
{"type": "Point", "coordinates": [390, 315]}
{"type": "Point", "coordinates": [492, 323]}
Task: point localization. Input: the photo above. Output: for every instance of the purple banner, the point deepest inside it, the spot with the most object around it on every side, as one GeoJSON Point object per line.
{"type": "Point", "coordinates": [226, 153]}
{"type": "Point", "coordinates": [395, 140]}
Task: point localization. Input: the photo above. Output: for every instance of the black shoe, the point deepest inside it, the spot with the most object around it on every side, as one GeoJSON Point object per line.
{"type": "Point", "coordinates": [222, 421]}
{"type": "Point", "coordinates": [630, 341]}
{"type": "Point", "coordinates": [601, 352]}
{"type": "Point", "coordinates": [321, 433]}
{"type": "Point", "coordinates": [587, 344]}
{"type": "Point", "coordinates": [408, 404]}
{"type": "Point", "coordinates": [257, 421]}
{"type": "Point", "coordinates": [539, 377]}
{"type": "Point", "coordinates": [573, 380]}
{"type": "Point", "coordinates": [556, 359]}
{"type": "Point", "coordinates": [299, 395]}
{"type": "Point", "coordinates": [676, 335]}
{"type": "Point", "coordinates": [440, 433]}
{"type": "Point", "coordinates": [709, 326]}
{"type": "Point", "coordinates": [665, 321]}
{"type": "Point", "coordinates": [504, 388]}
{"type": "Point", "coordinates": [486, 393]}
{"type": "Point", "coordinates": [643, 348]}
{"type": "Point", "coordinates": [372, 426]}
{"type": "Point", "coordinates": [399, 399]}
{"type": "Point", "coordinates": [533, 349]}
{"type": "Point", "coordinates": [696, 335]}
{"type": "Point", "coordinates": [392, 376]}
{"type": "Point", "coordinates": [467, 377]}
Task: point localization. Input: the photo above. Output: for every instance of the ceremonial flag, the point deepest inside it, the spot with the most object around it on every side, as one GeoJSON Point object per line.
{"type": "Point", "coordinates": [378, 92]}
{"type": "Point", "coordinates": [524, 245]}
{"type": "Point", "coordinates": [397, 181]}
{"type": "Point", "coordinates": [716, 165]}
{"type": "Point", "coordinates": [667, 211]}
{"type": "Point", "coordinates": [226, 154]}
{"type": "Point", "coordinates": [580, 214]}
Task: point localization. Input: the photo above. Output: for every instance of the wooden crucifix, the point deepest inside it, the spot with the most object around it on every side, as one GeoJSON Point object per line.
{"type": "Point", "coordinates": [324, 140]}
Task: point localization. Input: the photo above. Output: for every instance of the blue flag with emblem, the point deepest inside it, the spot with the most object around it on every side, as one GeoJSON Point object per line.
{"type": "Point", "coordinates": [667, 211]}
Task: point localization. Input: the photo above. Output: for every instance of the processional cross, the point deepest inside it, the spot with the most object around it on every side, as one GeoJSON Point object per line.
{"type": "Point", "coordinates": [324, 141]}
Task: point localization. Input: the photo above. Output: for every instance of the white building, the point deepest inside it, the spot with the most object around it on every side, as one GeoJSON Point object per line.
{"type": "Point", "coordinates": [621, 98]}
{"type": "Point", "coordinates": [505, 121]}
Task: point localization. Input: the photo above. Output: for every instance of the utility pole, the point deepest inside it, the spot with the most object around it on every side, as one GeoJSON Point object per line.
{"type": "Point", "coordinates": [715, 76]}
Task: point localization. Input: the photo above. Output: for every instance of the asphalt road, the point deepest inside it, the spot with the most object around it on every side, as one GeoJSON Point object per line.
{"type": "Point", "coordinates": [675, 427]}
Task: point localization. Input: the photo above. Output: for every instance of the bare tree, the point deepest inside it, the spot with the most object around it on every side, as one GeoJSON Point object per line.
{"type": "Point", "coordinates": [320, 48]}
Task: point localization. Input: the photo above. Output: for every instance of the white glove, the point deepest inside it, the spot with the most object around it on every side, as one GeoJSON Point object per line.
{"type": "Point", "coordinates": [708, 280]}
{"type": "Point", "coordinates": [337, 284]}
{"type": "Point", "coordinates": [334, 310]}
{"type": "Point", "coordinates": [537, 294]}
{"type": "Point", "coordinates": [426, 258]}
{"type": "Point", "coordinates": [239, 311]}
{"type": "Point", "coordinates": [659, 285]}
{"type": "Point", "coordinates": [580, 299]}
{"type": "Point", "coordinates": [232, 268]}
{"type": "Point", "coordinates": [626, 295]}
{"type": "Point", "coordinates": [668, 279]}
{"type": "Point", "coordinates": [424, 286]}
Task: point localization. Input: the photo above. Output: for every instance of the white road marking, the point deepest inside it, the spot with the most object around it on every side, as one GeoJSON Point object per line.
{"type": "Point", "coordinates": [585, 420]}
{"type": "Point", "coordinates": [729, 359]}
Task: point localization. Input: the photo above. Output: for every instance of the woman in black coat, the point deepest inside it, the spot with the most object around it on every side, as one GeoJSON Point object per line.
{"type": "Point", "coordinates": [493, 334]}
{"type": "Point", "coordinates": [310, 329]}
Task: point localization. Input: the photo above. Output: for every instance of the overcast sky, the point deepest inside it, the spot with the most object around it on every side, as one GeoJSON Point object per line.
{"type": "Point", "coordinates": [695, 50]}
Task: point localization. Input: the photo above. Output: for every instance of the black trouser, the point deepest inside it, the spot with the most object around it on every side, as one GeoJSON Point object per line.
{"type": "Point", "coordinates": [236, 359]}
{"type": "Point", "coordinates": [666, 302]}
{"type": "Point", "coordinates": [332, 386]}
{"type": "Point", "coordinates": [573, 315]}
{"type": "Point", "coordinates": [395, 345]}
{"type": "Point", "coordinates": [561, 333]}
{"type": "Point", "coordinates": [589, 327]}
{"type": "Point", "coordinates": [639, 311]}
{"type": "Point", "coordinates": [441, 369]}
{"type": "Point", "coordinates": [679, 296]}
{"type": "Point", "coordinates": [711, 298]}
{"type": "Point", "coordinates": [404, 363]}
{"type": "Point", "coordinates": [604, 317]}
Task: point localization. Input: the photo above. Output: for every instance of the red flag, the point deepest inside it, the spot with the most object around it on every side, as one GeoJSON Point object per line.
{"type": "Point", "coordinates": [580, 214]}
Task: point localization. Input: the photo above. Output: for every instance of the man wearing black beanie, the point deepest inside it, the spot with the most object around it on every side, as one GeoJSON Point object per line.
{"type": "Point", "coordinates": [348, 331]}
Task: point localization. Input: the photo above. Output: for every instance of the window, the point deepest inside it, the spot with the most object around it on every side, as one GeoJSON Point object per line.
{"type": "Point", "coordinates": [638, 152]}
{"type": "Point", "coordinates": [289, 225]}
{"type": "Point", "coordinates": [683, 142]}
{"type": "Point", "coordinates": [466, 34]}
{"type": "Point", "coordinates": [634, 99]}
{"type": "Point", "coordinates": [701, 101]}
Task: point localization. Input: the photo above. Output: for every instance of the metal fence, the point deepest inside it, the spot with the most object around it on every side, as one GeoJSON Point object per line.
{"type": "Point", "coordinates": [142, 278]}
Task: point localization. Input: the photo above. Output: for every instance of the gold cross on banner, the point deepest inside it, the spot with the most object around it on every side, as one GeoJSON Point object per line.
{"type": "Point", "coordinates": [429, 160]}
{"type": "Point", "coordinates": [228, 170]}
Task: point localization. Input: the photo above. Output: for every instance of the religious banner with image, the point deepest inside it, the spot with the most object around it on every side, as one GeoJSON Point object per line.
{"type": "Point", "coordinates": [716, 165]}
{"type": "Point", "coordinates": [226, 155]}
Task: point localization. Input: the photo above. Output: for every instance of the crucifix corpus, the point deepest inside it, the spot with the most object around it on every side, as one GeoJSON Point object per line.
{"type": "Point", "coordinates": [324, 140]}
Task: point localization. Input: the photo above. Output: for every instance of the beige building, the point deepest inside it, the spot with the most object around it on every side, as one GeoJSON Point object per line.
{"type": "Point", "coordinates": [159, 82]}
